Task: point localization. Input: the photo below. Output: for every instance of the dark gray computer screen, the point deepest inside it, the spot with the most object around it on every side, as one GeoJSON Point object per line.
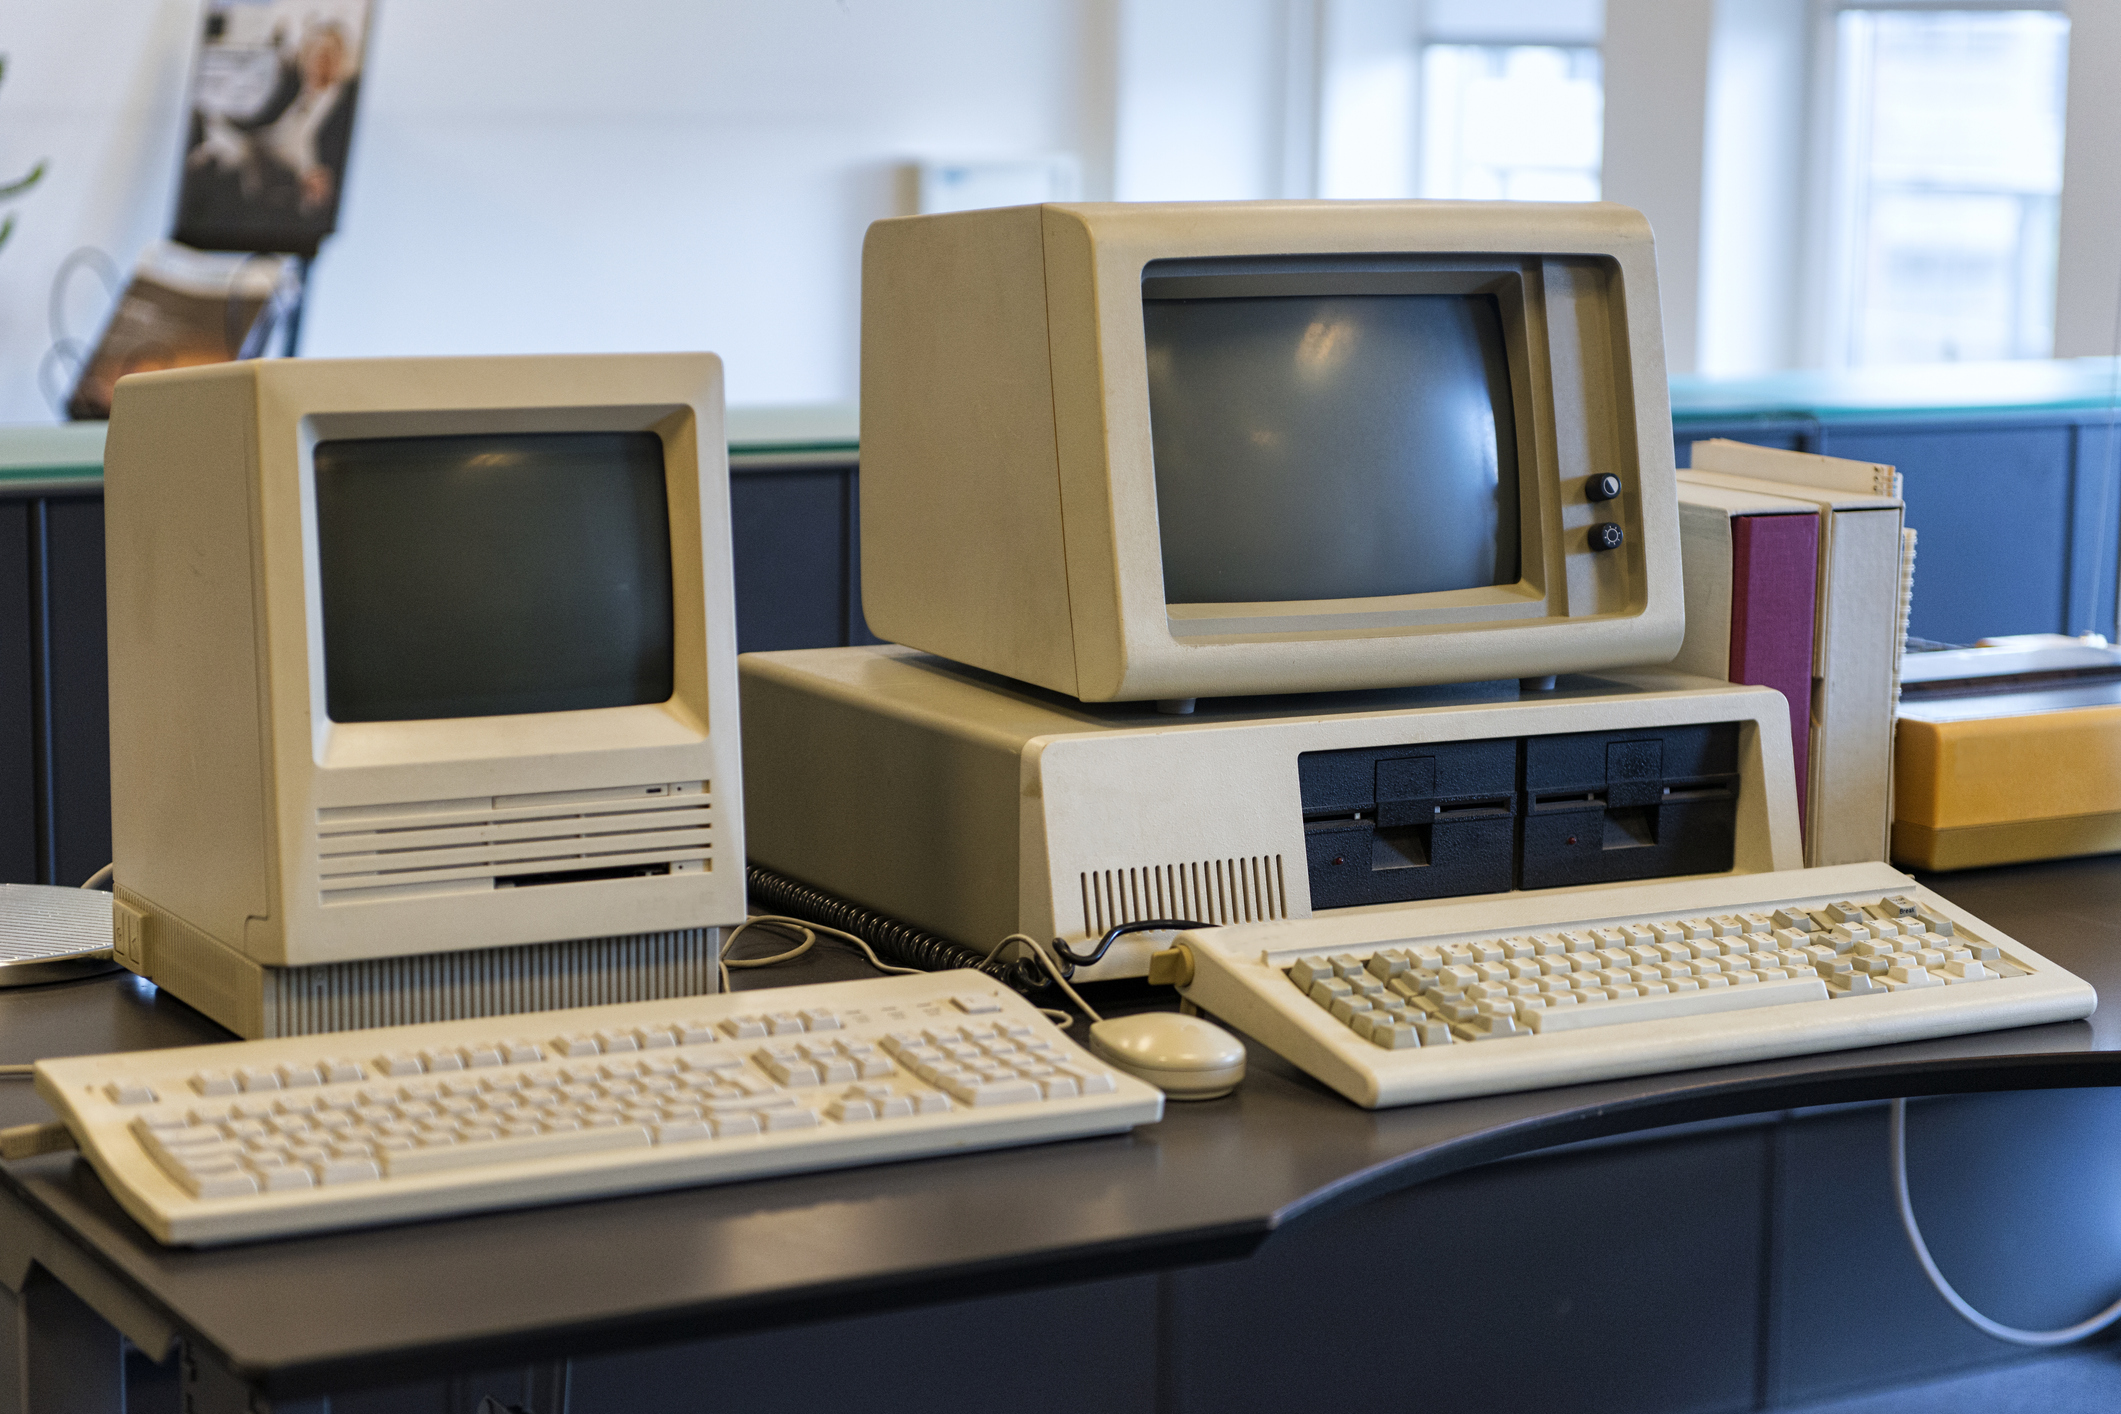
{"type": "Point", "coordinates": [491, 575]}
{"type": "Point", "coordinates": [1331, 446]}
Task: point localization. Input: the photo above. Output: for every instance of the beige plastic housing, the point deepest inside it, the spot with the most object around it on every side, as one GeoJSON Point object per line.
{"type": "Point", "coordinates": [974, 807]}
{"type": "Point", "coordinates": [1009, 506]}
{"type": "Point", "coordinates": [253, 833]}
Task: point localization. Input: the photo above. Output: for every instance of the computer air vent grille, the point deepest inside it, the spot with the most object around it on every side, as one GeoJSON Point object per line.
{"type": "Point", "coordinates": [404, 991]}
{"type": "Point", "coordinates": [373, 852]}
{"type": "Point", "coordinates": [1207, 891]}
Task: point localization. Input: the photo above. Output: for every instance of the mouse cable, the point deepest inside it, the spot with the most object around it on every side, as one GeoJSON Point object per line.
{"type": "Point", "coordinates": [2067, 1335]}
{"type": "Point", "coordinates": [1033, 950]}
{"type": "Point", "coordinates": [1076, 959]}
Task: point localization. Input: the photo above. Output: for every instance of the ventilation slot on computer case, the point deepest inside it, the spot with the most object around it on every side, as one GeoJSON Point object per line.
{"type": "Point", "coordinates": [1210, 891]}
{"type": "Point", "coordinates": [372, 852]}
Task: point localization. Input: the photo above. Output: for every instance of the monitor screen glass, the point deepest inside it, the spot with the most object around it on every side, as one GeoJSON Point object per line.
{"type": "Point", "coordinates": [492, 575]}
{"type": "Point", "coordinates": [1331, 446]}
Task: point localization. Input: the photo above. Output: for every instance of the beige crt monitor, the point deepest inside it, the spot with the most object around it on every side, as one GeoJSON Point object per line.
{"type": "Point", "coordinates": [423, 687]}
{"type": "Point", "coordinates": [1165, 451]}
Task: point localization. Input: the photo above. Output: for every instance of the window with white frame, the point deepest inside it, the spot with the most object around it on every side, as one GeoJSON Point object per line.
{"type": "Point", "coordinates": [1948, 173]}
{"type": "Point", "coordinates": [1516, 122]}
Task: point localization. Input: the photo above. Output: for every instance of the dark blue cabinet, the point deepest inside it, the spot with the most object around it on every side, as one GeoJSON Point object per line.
{"type": "Point", "coordinates": [2012, 475]}
{"type": "Point", "coordinates": [798, 585]}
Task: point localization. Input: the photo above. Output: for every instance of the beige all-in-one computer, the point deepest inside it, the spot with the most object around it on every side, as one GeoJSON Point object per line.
{"type": "Point", "coordinates": [423, 699]}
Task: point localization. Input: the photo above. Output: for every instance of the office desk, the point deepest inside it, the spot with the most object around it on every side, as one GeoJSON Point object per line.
{"type": "Point", "coordinates": [284, 1325]}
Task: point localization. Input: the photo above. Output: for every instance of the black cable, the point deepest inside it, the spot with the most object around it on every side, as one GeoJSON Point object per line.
{"type": "Point", "coordinates": [894, 941]}
{"type": "Point", "coordinates": [1075, 959]}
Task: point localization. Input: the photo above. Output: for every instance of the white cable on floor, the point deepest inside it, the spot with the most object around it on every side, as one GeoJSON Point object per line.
{"type": "Point", "coordinates": [2068, 1335]}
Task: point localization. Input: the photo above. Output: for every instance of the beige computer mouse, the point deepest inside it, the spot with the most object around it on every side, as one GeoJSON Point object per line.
{"type": "Point", "coordinates": [1186, 1057]}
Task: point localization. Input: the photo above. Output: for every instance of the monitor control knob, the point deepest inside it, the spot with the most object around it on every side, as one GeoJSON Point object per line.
{"type": "Point", "coordinates": [1606, 536]}
{"type": "Point", "coordinates": [1602, 488]}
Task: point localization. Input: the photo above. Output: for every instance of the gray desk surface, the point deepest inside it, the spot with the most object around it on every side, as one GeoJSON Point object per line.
{"type": "Point", "coordinates": [1212, 1181]}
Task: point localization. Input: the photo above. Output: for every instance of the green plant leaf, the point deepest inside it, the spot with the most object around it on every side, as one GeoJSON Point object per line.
{"type": "Point", "coordinates": [16, 188]}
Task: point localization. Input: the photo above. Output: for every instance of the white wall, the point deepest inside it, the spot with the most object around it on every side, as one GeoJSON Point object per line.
{"type": "Point", "coordinates": [1753, 195]}
{"type": "Point", "coordinates": [1368, 87]}
{"type": "Point", "coordinates": [1201, 100]}
{"type": "Point", "coordinates": [2088, 275]}
{"type": "Point", "coordinates": [540, 175]}
{"type": "Point", "coordinates": [1656, 119]}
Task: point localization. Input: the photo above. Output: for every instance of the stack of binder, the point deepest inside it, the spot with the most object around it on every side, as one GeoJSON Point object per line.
{"type": "Point", "coordinates": [1798, 571]}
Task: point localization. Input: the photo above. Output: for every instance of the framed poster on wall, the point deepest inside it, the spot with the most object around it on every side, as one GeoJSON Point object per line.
{"type": "Point", "coordinates": [272, 114]}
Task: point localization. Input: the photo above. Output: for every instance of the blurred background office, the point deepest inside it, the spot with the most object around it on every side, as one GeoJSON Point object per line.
{"type": "Point", "coordinates": [1832, 184]}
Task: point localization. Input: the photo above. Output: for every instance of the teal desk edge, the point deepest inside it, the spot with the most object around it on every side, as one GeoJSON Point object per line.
{"type": "Point", "coordinates": [1908, 393]}
{"type": "Point", "coordinates": [67, 458]}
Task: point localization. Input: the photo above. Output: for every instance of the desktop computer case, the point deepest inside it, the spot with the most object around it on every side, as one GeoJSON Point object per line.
{"type": "Point", "coordinates": [226, 812]}
{"type": "Point", "coordinates": [975, 807]}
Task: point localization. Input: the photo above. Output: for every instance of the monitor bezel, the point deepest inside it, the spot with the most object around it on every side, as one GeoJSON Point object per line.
{"type": "Point", "coordinates": [678, 398]}
{"type": "Point", "coordinates": [455, 738]}
{"type": "Point", "coordinates": [316, 436]}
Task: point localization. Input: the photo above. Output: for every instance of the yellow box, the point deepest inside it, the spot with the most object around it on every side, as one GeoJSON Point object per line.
{"type": "Point", "coordinates": [2007, 789]}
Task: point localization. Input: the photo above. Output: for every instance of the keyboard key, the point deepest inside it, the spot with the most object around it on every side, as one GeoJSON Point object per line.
{"type": "Point", "coordinates": [995, 1092]}
{"type": "Point", "coordinates": [219, 1182]}
{"type": "Point", "coordinates": [1910, 975]}
{"type": "Point", "coordinates": [1679, 1004]}
{"type": "Point", "coordinates": [1308, 970]}
{"type": "Point", "coordinates": [684, 1131]}
{"type": "Point", "coordinates": [285, 1178]}
{"type": "Point", "coordinates": [780, 1119]}
{"type": "Point", "coordinates": [445, 1157]}
{"type": "Point", "coordinates": [347, 1170]}
{"type": "Point", "coordinates": [1327, 990]}
{"type": "Point", "coordinates": [1087, 1080]}
{"type": "Point", "coordinates": [258, 1077]}
{"type": "Point", "coordinates": [129, 1092]}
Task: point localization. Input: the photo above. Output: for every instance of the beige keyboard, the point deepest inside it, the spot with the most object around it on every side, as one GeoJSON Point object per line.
{"type": "Point", "coordinates": [1396, 1006]}
{"type": "Point", "coordinates": [253, 1139]}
